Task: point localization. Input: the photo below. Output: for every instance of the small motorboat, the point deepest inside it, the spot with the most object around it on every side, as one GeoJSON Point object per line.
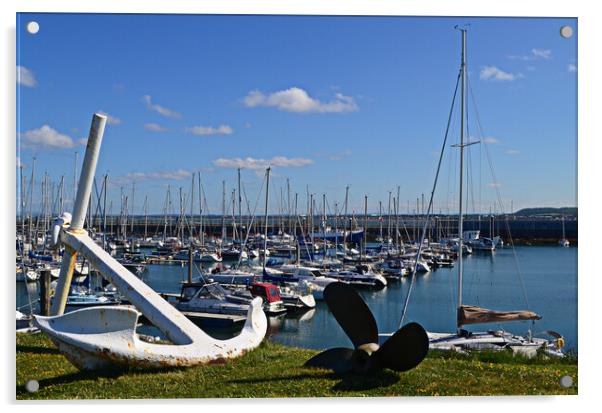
{"type": "Point", "coordinates": [27, 275]}
{"type": "Point", "coordinates": [297, 296]}
{"type": "Point", "coordinates": [207, 257]}
{"type": "Point", "coordinates": [273, 303]}
{"type": "Point", "coordinates": [232, 276]}
{"type": "Point", "coordinates": [199, 297]}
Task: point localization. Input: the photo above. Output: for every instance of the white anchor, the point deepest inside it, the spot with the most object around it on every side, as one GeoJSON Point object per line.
{"type": "Point", "coordinates": [101, 337]}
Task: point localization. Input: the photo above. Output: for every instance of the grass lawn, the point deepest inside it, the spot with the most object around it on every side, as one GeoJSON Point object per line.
{"type": "Point", "coordinates": [273, 370]}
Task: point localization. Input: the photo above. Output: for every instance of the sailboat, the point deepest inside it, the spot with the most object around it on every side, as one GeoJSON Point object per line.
{"type": "Point", "coordinates": [463, 339]}
{"type": "Point", "coordinates": [563, 242]}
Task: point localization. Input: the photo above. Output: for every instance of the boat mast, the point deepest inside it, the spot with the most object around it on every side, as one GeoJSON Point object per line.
{"type": "Point", "coordinates": [395, 212]}
{"type": "Point", "coordinates": [223, 212]}
{"type": "Point", "coordinates": [240, 212]}
{"type": "Point", "coordinates": [201, 229]}
{"type": "Point", "coordinates": [265, 228]}
{"type": "Point", "coordinates": [104, 211]}
{"type": "Point", "coordinates": [336, 229]}
{"type": "Point", "coordinates": [365, 237]}
{"type": "Point", "coordinates": [22, 207]}
{"type": "Point", "coordinates": [389, 220]}
{"type": "Point", "coordinates": [324, 220]}
{"type": "Point", "coordinates": [145, 217]}
{"type": "Point", "coordinates": [31, 185]}
{"type": "Point", "coordinates": [132, 208]}
{"type": "Point", "coordinates": [380, 220]}
{"type": "Point", "coordinates": [460, 211]}
{"type": "Point", "coordinates": [191, 223]}
{"type": "Point", "coordinates": [345, 221]}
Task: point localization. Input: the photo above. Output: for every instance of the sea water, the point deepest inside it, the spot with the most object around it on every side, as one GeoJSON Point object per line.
{"type": "Point", "coordinates": [540, 279]}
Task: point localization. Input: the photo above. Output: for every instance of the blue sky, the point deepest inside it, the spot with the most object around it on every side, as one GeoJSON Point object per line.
{"type": "Point", "coordinates": [328, 101]}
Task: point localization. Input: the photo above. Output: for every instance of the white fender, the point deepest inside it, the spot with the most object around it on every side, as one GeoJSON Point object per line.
{"type": "Point", "coordinates": [57, 224]}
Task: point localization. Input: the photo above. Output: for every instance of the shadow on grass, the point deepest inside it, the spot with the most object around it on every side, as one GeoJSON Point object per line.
{"type": "Point", "coordinates": [73, 377]}
{"type": "Point", "coordinates": [93, 375]}
{"type": "Point", "coordinates": [36, 350]}
{"type": "Point", "coordinates": [348, 382]}
{"type": "Point", "coordinates": [357, 382]}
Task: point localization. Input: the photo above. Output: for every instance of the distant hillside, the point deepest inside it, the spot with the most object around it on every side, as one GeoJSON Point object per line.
{"type": "Point", "coordinates": [570, 211]}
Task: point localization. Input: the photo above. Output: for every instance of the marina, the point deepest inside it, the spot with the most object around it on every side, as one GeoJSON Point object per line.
{"type": "Point", "coordinates": [375, 273]}
{"type": "Point", "coordinates": [548, 272]}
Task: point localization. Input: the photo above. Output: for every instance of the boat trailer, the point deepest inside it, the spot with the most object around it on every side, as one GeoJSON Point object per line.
{"type": "Point", "coordinates": [104, 337]}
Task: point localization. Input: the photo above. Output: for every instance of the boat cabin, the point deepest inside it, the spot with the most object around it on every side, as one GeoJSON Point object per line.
{"type": "Point", "coordinates": [202, 290]}
{"type": "Point", "coordinates": [269, 292]}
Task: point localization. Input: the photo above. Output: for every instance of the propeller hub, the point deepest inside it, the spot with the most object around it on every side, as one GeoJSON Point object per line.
{"type": "Point", "coordinates": [369, 347]}
{"type": "Point", "coordinates": [361, 355]}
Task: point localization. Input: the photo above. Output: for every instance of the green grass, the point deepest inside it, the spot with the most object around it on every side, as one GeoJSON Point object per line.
{"type": "Point", "coordinates": [273, 370]}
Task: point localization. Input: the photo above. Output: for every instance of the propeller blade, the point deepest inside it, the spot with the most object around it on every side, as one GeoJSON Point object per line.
{"type": "Point", "coordinates": [337, 359]}
{"type": "Point", "coordinates": [352, 313]}
{"type": "Point", "coordinates": [404, 350]}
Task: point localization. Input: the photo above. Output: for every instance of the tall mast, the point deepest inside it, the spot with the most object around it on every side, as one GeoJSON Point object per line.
{"type": "Point", "coordinates": [265, 228]}
{"type": "Point", "coordinates": [311, 218]}
{"type": "Point", "coordinates": [336, 228]}
{"type": "Point", "coordinates": [223, 211]}
{"type": "Point", "coordinates": [460, 211]}
{"type": "Point", "coordinates": [380, 219]}
{"type": "Point", "coordinates": [74, 178]}
{"type": "Point", "coordinates": [201, 230]}
{"type": "Point", "coordinates": [61, 196]}
{"type": "Point", "coordinates": [288, 205]}
{"type": "Point", "coordinates": [22, 205]}
{"type": "Point", "coordinates": [145, 217]}
{"type": "Point", "coordinates": [324, 224]}
{"type": "Point", "coordinates": [132, 207]}
{"type": "Point", "coordinates": [345, 222]}
{"type": "Point", "coordinates": [234, 230]}
{"type": "Point", "coordinates": [396, 226]}
{"type": "Point", "coordinates": [31, 186]}
{"type": "Point", "coordinates": [389, 220]}
{"type": "Point", "coordinates": [365, 237]}
{"type": "Point", "coordinates": [240, 211]}
{"type": "Point", "coordinates": [191, 223]}
{"type": "Point", "coordinates": [104, 212]}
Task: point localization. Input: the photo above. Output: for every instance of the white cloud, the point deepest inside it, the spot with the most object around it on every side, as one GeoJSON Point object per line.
{"type": "Point", "coordinates": [536, 54]}
{"type": "Point", "coordinates": [493, 73]}
{"type": "Point", "coordinates": [494, 184]}
{"type": "Point", "coordinates": [512, 152]}
{"type": "Point", "coordinates": [45, 137]}
{"type": "Point", "coordinates": [154, 127]}
{"type": "Point", "coordinates": [159, 175]}
{"type": "Point", "coordinates": [147, 99]}
{"type": "Point", "coordinates": [491, 140]}
{"type": "Point", "coordinates": [572, 67]}
{"type": "Point", "coordinates": [111, 120]}
{"type": "Point", "coordinates": [542, 53]}
{"type": "Point", "coordinates": [298, 100]}
{"type": "Point", "coordinates": [253, 163]}
{"type": "Point", "coordinates": [210, 130]}
{"type": "Point", "coordinates": [26, 77]}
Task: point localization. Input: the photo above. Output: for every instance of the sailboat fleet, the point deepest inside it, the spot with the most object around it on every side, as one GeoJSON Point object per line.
{"type": "Point", "coordinates": [288, 261]}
